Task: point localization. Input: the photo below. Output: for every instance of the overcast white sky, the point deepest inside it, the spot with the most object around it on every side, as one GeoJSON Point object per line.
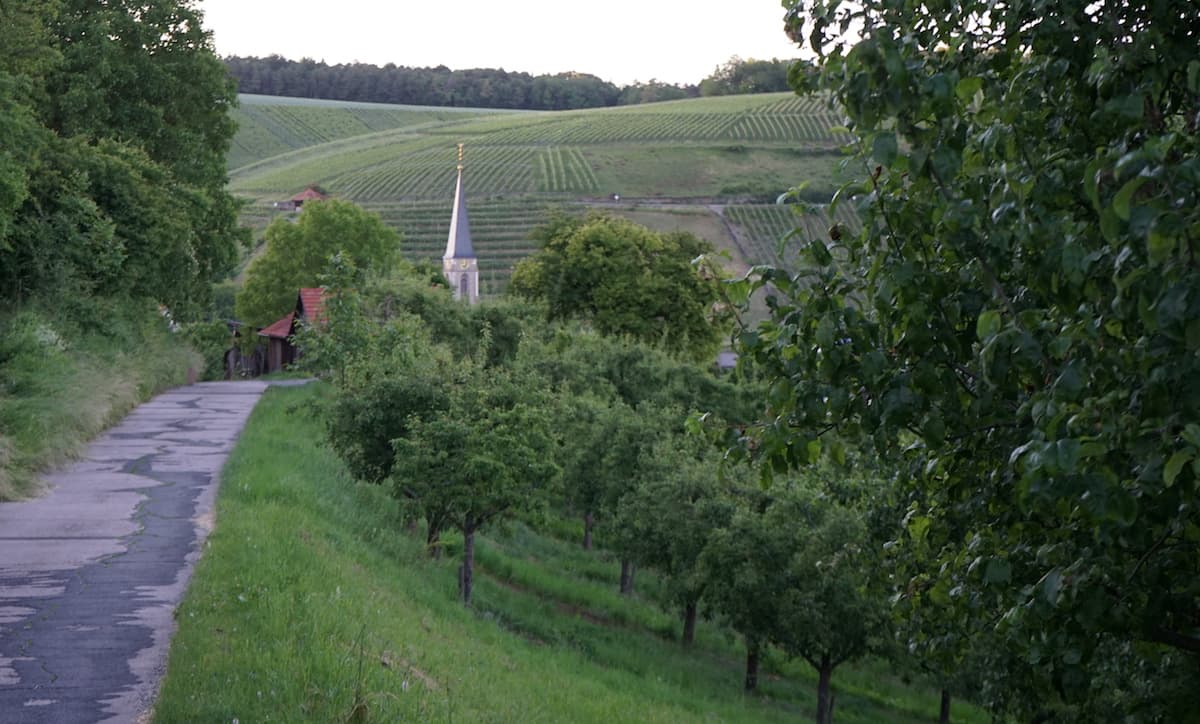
{"type": "Point", "coordinates": [678, 41]}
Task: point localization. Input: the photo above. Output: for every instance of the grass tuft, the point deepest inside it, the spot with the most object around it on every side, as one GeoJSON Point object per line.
{"type": "Point", "coordinates": [61, 384]}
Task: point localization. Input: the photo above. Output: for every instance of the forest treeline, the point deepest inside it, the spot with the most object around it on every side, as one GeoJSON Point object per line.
{"type": "Point", "coordinates": [487, 87]}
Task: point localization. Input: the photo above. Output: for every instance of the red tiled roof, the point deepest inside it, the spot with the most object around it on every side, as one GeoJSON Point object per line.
{"type": "Point", "coordinates": [312, 305]}
{"type": "Point", "coordinates": [279, 330]}
{"type": "Point", "coordinates": [309, 194]}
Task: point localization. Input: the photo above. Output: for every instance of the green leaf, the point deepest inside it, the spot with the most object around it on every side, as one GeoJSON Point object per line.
{"type": "Point", "coordinates": [988, 324]}
{"type": "Point", "coordinates": [1125, 196]}
{"type": "Point", "coordinates": [1160, 247]}
{"type": "Point", "coordinates": [967, 88]}
{"type": "Point", "coordinates": [838, 451]}
{"type": "Point", "coordinates": [1175, 465]}
{"type": "Point", "coordinates": [998, 571]}
{"type": "Point", "coordinates": [885, 149]}
{"type": "Point", "coordinates": [918, 527]}
{"type": "Point", "coordinates": [1051, 584]}
{"type": "Point", "coordinates": [820, 253]}
{"type": "Point", "coordinates": [1193, 76]}
{"type": "Point", "coordinates": [1091, 182]}
{"type": "Point", "coordinates": [946, 162]}
{"type": "Point", "coordinates": [934, 430]}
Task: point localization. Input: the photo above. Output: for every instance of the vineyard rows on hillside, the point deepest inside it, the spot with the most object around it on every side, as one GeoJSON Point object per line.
{"type": "Point", "coordinates": [400, 161]}
{"type": "Point", "coordinates": [773, 234]}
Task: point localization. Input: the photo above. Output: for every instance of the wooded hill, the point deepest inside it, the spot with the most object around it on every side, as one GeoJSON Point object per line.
{"type": "Point", "coordinates": [713, 166]}
{"type": "Point", "coordinates": [487, 87]}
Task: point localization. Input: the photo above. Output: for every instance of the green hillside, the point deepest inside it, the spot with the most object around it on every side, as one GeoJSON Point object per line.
{"type": "Point", "coordinates": [664, 164]}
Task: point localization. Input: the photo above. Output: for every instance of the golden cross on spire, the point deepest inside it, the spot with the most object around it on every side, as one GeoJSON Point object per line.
{"type": "Point", "coordinates": [460, 156]}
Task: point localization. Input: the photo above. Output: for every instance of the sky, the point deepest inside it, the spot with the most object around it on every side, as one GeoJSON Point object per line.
{"type": "Point", "coordinates": [622, 41]}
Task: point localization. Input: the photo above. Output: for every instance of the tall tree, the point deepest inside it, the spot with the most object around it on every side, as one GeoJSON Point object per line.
{"type": "Point", "coordinates": [1016, 325]}
{"type": "Point", "coordinates": [625, 280]}
{"type": "Point", "coordinates": [133, 108]}
{"type": "Point", "coordinates": [298, 253]}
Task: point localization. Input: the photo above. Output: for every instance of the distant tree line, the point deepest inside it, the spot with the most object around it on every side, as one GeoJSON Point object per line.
{"type": "Point", "coordinates": [486, 87]}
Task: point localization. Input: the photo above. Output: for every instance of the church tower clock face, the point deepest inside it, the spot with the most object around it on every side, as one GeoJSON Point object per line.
{"type": "Point", "coordinates": [463, 263]}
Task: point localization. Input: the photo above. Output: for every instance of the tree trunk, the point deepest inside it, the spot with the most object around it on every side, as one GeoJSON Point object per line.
{"type": "Point", "coordinates": [627, 570]}
{"type": "Point", "coordinates": [588, 521]}
{"type": "Point", "coordinates": [432, 542]}
{"type": "Point", "coordinates": [468, 564]}
{"type": "Point", "coordinates": [944, 716]}
{"type": "Point", "coordinates": [751, 666]}
{"type": "Point", "coordinates": [824, 695]}
{"type": "Point", "coordinates": [689, 623]}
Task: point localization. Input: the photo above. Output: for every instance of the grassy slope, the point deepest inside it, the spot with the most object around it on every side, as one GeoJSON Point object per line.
{"type": "Point", "coordinates": [700, 153]}
{"type": "Point", "coordinates": [61, 384]}
{"type": "Point", "coordinates": [309, 601]}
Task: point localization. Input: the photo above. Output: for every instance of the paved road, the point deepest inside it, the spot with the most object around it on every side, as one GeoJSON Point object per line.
{"type": "Point", "coordinates": [91, 573]}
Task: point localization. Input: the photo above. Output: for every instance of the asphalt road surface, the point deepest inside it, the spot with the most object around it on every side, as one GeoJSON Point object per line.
{"type": "Point", "coordinates": [91, 573]}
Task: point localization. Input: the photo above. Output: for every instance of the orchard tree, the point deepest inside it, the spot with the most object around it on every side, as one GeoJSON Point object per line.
{"type": "Point", "coordinates": [1016, 325]}
{"type": "Point", "coordinates": [665, 521]}
{"type": "Point", "coordinates": [298, 254]}
{"type": "Point", "coordinates": [790, 570]}
{"type": "Point", "coordinates": [483, 456]}
{"type": "Point", "coordinates": [625, 280]}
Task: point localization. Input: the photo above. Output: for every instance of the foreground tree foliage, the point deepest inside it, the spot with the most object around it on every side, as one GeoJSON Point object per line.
{"type": "Point", "coordinates": [115, 127]}
{"type": "Point", "coordinates": [1016, 326]}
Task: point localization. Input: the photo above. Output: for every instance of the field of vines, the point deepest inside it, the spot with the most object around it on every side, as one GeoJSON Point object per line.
{"type": "Point", "coordinates": [764, 228]}
{"type": "Point", "coordinates": [266, 130]}
{"type": "Point", "coordinates": [734, 147]}
{"type": "Point", "coordinates": [565, 170]}
{"type": "Point", "coordinates": [500, 230]}
{"type": "Point", "coordinates": [430, 173]}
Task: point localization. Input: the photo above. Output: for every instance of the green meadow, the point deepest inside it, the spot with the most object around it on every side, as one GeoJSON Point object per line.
{"type": "Point", "coordinates": [313, 603]}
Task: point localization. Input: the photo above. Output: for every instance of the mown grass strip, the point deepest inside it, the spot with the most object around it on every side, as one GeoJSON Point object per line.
{"type": "Point", "coordinates": [311, 604]}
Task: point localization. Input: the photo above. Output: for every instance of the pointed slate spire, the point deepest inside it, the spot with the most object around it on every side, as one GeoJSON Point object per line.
{"type": "Point", "coordinates": [459, 263]}
{"type": "Point", "coordinates": [459, 246]}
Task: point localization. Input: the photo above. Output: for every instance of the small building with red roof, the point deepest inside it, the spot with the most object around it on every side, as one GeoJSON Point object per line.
{"type": "Point", "coordinates": [312, 193]}
{"type": "Point", "coordinates": [281, 352]}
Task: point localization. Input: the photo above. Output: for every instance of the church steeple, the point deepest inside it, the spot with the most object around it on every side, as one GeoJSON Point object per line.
{"type": "Point", "coordinates": [459, 263]}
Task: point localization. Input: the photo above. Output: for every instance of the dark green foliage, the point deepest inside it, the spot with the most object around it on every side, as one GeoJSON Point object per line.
{"type": "Point", "coordinates": [362, 426]}
{"type": "Point", "coordinates": [737, 76]}
{"type": "Point", "coordinates": [211, 340]}
{"type": "Point", "coordinates": [790, 569]}
{"type": "Point", "coordinates": [299, 252]}
{"type": "Point", "coordinates": [114, 128]}
{"type": "Point", "coordinates": [624, 279]}
{"type": "Point", "coordinates": [666, 521]}
{"type": "Point", "coordinates": [1015, 329]}
{"type": "Point", "coordinates": [484, 455]}
{"type": "Point", "coordinates": [440, 86]}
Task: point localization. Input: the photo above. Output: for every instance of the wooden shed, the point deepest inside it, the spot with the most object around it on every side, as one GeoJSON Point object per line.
{"type": "Point", "coordinates": [281, 350]}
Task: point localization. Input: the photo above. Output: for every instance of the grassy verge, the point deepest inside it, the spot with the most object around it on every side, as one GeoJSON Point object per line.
{"type": "Point", "coordinates": [61, 384]}
{"type": "Point", "coordinates": [310, 604]}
